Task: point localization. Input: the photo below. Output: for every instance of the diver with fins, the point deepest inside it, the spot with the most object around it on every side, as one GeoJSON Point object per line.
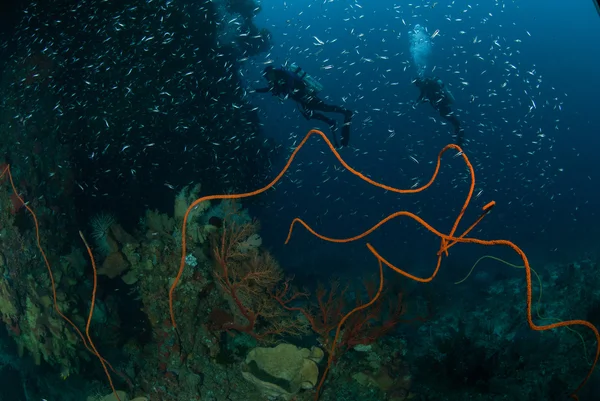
{"type": "Point", "coordinates": [292, 82]}
{"type": "Point", "coordinates": [434, 91]}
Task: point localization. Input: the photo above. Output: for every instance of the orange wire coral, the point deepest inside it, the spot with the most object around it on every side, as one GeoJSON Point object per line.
{"type": "Point", "coordinates": [90, 347]}
{"type": "Point", "coordinates": [447, 241]}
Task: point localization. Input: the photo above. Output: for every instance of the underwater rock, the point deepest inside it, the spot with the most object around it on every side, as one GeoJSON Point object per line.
{"type": "Point", "coordinates": [130, 278]}
{"type": "Point", "coordinates": [282, 371]}
{"type": "Point", "coordinates": [114, 265]}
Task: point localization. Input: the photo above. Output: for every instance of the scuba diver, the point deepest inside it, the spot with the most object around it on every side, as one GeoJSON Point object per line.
{"type": "Point", "coordinates": [434, 91]}
{"type": "Point", "coordinates": [293, 82]}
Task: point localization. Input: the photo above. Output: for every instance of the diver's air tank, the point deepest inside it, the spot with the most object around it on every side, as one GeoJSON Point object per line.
{"type": "Point", "coordinates": [444, 87]}
{"type": "Point", "coordinates": [312, 84]}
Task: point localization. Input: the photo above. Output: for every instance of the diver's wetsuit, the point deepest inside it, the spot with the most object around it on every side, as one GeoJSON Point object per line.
{"type": "Point", "coordinates": [433, 91]}
{"type": "Point", "coordinates": [287, 84]}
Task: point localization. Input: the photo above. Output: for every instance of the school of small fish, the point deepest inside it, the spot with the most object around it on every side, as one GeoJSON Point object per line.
{"type": "Point", "coordinates": [157, 93]}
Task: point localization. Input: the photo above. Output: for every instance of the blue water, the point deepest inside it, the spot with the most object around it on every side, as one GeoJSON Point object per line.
{"type": "Point", "coordinates": [539, 165]}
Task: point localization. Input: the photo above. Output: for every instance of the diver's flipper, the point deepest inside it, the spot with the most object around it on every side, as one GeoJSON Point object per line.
{"type": "Point", "coordinates": [335, 142]}
{"type": "Point", "coordinates": [333, 129]}
{"type": "Point", "coordinates": [346, 128]}
{"type": "Point", "coordinates": [345, 135]}
{"type": "Point", "coordinates": [459, 137]}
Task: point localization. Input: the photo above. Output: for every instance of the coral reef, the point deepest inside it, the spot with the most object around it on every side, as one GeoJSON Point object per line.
{"type": "Point", "coordinates": [486, 350]}
{"type": "Point", "coordinates": [26, 298]}
{"type": "Point", "coordinates": [233, 300]}
{"type": "Point", "coordinates": [173, 363]}
{"type": "Point", "coordinates": [64, 170]}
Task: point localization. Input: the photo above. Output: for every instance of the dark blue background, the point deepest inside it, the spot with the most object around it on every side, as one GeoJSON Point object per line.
{"type": "Point", "coordinates": [545, 187]}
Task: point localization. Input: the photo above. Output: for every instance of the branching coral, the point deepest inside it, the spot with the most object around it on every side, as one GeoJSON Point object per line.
{"type": "Point", "coordinates": [364, 327]}
{"type": "Point", "coordinates": [249, 276]}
